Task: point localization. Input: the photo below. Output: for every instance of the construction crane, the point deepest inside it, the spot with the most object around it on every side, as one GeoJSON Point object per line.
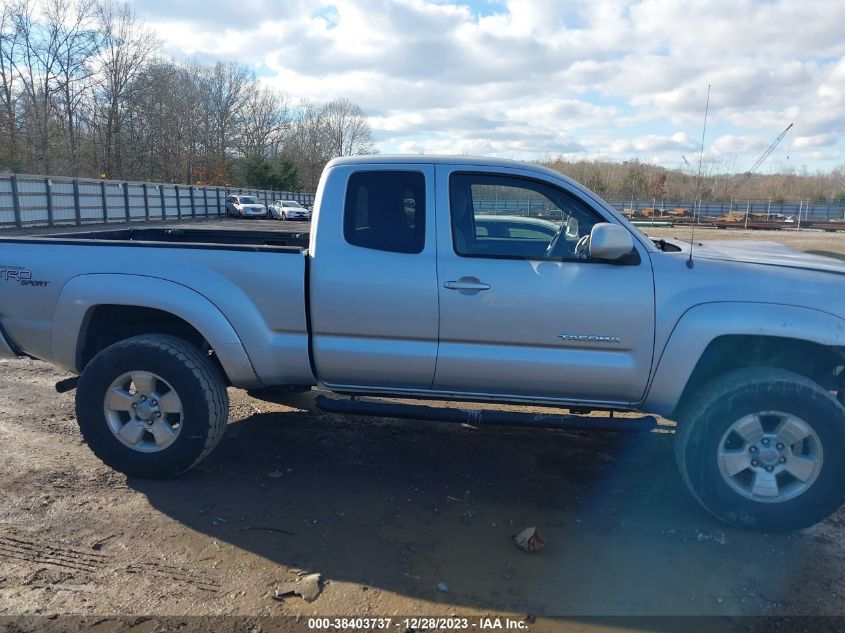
{"type": "Point", "coordinates": [689, 167]}
{"type": "Point", "coordinates": [768, 151]}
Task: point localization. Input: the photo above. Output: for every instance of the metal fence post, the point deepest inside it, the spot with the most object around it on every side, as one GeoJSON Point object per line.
{"type": "Point", "coordinates": [48, 190]}
{"type": "Point", "coordinates": [16, 202]}
{"type": "Point", "coordinates": [161, 196]}
{"type": "Point", "coordinates": [146, 203]}
{"type": "Point", "coordinates": [126, 213]}
{"type": "Point", "coordinates": [205, 200]}
{"type": "Point", "coordinates": [77, 212]}
{"type": "Point", "coordinates": [193, 205]}
{"type": "Point", "coordinates": [178, 202]}
{"type": "Point", "coordinates": [104, 200]}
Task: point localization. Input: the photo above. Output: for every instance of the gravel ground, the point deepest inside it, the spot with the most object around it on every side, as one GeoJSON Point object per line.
{"type": "Point", "coordinates": [814, 241]}
{"type": "Point", "coordinates": [385, 511]}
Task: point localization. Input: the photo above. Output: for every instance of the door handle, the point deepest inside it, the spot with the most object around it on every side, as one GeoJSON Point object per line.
{"type": "Point", "coordinates": [466, 283]}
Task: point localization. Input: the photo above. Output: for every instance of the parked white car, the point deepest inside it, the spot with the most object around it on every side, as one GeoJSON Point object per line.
{"type": "Point", "coordinates": [289, 210]}
{"type": "Point", "coordinates": [245, 207]}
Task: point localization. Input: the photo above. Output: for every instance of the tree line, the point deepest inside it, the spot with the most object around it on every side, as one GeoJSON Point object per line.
{"type": "Point", "coordinates": [635, 180]}
{"type": "Point", "coordinates": [84, 92]}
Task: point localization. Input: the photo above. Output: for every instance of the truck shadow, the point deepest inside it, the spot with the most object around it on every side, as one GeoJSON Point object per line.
{"type": "Point", "coordinates": [404, 506]}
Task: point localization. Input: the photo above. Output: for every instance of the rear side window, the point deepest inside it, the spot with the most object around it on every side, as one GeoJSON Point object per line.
{"type": "Point", "coordinates": [385, 210]}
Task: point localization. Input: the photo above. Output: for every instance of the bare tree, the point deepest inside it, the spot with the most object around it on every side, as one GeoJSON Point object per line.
{"type": "Point", "coordinates": [36, 67]}
{"type": "Point", "coordinates": [9, 46]}
{"type": "Point", "coordinates": [125, 47]}
{"type": "Point", "coordinates": [305, 144]}
{"type": "Point", "coordinates": [264, 118]}
{"type": "Point", "coordinates": [76, 48]}
{"type": "Point", "coordinates": [228, 90]}
{"type": "Point", "coordinates": [346, 129]}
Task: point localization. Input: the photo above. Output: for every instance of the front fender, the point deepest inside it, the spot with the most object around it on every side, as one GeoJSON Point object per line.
{"type": "Point", "coordinates": [83, 293]}
{"type": "Point", "coordinates": [702, 324]}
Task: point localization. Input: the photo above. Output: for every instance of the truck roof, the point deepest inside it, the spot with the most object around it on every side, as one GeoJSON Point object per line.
{"type": "Point", "coordinates": [478, 161]}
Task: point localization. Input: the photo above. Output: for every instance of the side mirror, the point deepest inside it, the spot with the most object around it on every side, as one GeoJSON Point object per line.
{"type": "Point", "coordinates": [610, 241]}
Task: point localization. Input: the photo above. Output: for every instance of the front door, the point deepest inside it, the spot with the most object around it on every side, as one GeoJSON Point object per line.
{"type": "Point", "coordinates": [520, 315]}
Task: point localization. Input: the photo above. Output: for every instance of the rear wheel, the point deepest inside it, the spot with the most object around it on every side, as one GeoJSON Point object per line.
{"type": "Point", "coordinates": [764, 448]}
{"type": "Point", "coordinates": [152, 406]}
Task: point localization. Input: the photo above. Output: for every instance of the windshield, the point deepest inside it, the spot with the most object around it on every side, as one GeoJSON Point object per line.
{"type": "Point", "coordinates": [291, 203]}
{"type": "Point", "coordinates": [248, 200]}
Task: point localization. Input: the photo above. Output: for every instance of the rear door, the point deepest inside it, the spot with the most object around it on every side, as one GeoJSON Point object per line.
{"type": "Point", "coordinates": [521, 320]}
{"type": "Point", "coordinates": [373, 286]}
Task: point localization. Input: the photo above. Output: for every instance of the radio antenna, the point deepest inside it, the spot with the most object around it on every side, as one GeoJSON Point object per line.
{"type": "Point", "coordinates": [698, 177]}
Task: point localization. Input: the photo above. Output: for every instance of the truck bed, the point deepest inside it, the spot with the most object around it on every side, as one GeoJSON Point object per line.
{"type": "Point", "coordinates": [238, 239]}
{"type": "Point", "coordinates": [243, 290]}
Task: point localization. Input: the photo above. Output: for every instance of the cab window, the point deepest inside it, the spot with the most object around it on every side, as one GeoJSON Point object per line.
{"type": "Point", "coordinates": [511, 217]}
{"type": "Point", "coordinates": [385, 210]}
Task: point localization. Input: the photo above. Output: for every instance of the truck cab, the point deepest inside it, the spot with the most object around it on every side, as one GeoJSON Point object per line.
{"type": "Point", "coordinates": [446, 306]}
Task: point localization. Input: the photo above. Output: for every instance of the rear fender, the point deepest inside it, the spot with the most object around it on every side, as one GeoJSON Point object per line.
{"type": "Point", "coordinates": [82, 294]}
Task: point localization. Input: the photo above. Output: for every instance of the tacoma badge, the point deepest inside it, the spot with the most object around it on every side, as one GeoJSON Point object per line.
{"type": "Point", "coordinates": [589, 338]}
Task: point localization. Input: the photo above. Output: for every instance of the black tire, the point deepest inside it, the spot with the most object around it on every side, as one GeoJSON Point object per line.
{"type": "Point", "coordinates": [705, 420]}
{"type": "Point", "coordinates": [200, 387]}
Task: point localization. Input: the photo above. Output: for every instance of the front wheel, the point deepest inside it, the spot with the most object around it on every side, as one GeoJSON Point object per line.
{"type": "Point", "coordinates": [764, 448]}
{"type": "Point", "coordinates": [152, 406]}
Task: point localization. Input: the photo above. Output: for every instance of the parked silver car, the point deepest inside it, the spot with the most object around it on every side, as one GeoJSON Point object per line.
{"type": "Point", "coordinates": [289, 210]}
{"type": "Point", "coordinates": [245, 207]}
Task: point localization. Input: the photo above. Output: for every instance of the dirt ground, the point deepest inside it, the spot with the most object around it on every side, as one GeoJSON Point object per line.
{"type": "Point", "coordinates": [385, 511]}
{"type": "Point", "coordinates": [819, 242]}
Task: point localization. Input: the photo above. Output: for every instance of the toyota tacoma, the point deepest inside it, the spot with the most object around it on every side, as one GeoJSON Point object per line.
{"type": "Point", "coordinates": [402, 290]}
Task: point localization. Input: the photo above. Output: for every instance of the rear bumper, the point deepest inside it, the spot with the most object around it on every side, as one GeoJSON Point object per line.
{"type": "Point", "coordinates": [7, 350]}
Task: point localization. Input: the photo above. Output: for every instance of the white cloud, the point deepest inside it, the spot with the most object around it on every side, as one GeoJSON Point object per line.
{"type": "Point", "coordinates": [654, 143]}
{"type": "Point", "coordinates": [528, 78]}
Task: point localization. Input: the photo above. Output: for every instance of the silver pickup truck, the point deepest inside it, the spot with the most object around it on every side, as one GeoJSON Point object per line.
{"type": "Point", "coordinates": [452, 279]}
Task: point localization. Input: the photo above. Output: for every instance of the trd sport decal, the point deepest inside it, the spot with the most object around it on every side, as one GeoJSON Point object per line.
{"type": "Point", "coordinates": [20, 275]}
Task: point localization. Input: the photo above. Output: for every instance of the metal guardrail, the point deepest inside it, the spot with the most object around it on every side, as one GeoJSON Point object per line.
{"type": "Point", "coordinates": [29, 200]}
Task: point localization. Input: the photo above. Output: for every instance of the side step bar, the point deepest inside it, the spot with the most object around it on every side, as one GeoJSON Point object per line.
{"type": "Point", "coordinates": [68, 384]}
{"type": "Point", "coordinates": [483, 417]}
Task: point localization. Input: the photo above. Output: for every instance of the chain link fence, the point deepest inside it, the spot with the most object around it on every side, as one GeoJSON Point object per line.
{"type": "Point", "coordinates": [818, 211]}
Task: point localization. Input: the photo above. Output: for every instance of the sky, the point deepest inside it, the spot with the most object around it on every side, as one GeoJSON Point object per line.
{"type": "Point", "coordinates": [537, 79]}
